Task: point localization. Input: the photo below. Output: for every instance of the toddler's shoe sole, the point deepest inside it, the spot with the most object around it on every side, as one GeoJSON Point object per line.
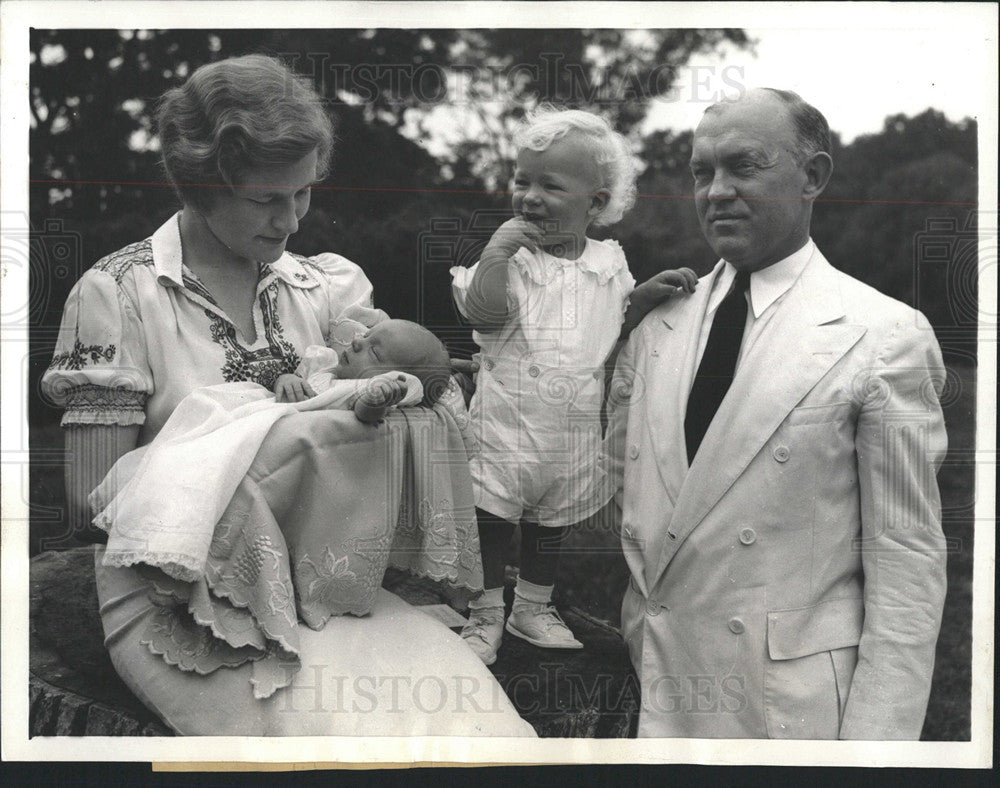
{"type": "Point", "coordinates": [541, 643]}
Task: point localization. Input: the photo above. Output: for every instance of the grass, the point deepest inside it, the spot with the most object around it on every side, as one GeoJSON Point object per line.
{"type": "Point", "coordinates": [593, 573]}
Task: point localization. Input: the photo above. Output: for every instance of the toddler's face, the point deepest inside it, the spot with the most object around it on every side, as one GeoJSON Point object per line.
{"type": "Point", "coordinates": [390, 345]}
{"type": "Point", "coordinates": [558, 188]}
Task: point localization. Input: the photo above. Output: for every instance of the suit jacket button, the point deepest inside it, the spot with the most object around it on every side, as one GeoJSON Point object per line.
{"type": "Point", "coordinates": [533, 371]}
{"type": "Point", "coordinates": [488, 364]}
{"type": "Point", "coordinates": [652, 608]}
{"type": "Point", "coordinates": [736, 626]}
{"type": "Point", "coordinates": [633, 451]}
{"type": "Point", "coordinates": [748, 535]}
{"type": "Point", "coordinates": [781, 453]}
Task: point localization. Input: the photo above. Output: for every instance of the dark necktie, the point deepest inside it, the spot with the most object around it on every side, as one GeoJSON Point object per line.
{"type": "Point", "coordinates": [718, 364]}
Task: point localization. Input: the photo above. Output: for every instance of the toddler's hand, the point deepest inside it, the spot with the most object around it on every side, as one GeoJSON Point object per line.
{"type": "Point", "coordinates": [378, 396]}
{"type": "Point", "coordinates": [663, 285]}
{"type": "Point", "coordinates": [512, 235]}
{"type": "Point", "coordinates": [292, 388]}
{"type": "Point", "coordinates": [464, 372]}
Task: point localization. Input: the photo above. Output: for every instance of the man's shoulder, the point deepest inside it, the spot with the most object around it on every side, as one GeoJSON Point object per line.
{"type": "Point", "coordinates": [866, 305]}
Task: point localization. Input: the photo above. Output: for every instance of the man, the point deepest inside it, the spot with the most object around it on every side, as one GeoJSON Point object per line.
{"type": "Point", "coordinates": [774, 439]}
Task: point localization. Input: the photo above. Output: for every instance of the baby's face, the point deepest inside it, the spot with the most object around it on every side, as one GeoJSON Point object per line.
{"type": "Point", "coordinates": [390, 345]}
{"type": "Point", "coordinates": [557, 188]}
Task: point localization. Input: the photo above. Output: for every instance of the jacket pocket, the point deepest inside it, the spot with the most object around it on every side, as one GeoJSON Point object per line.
{"type": "Point", "coordinates": [829, 625]}
{"type": "Point", "coordinates": [812, 655]}
{"type": "Point", "coordinates": [819, 414]}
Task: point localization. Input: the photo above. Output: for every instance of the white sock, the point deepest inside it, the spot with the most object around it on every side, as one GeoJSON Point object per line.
{"type": "Point", "coordinates": [528, 594]}
{"type": "Point", "coordinates": [491, 597]}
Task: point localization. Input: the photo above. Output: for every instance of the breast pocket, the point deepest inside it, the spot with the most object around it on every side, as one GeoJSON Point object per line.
{"type": "Point", "coordinates": [819, 414]}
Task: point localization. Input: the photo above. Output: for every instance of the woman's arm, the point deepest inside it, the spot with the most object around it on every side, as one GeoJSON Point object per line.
{"type": "Point", "coordinates": [91, 450]}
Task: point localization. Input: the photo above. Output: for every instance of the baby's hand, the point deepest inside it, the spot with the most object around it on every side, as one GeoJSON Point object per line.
{"type": "Point", "coordinates": [512, 235]}
{"type": "Point", "coordinates": [292, 388]}
{"type": "Point", "coordinates": [378, 396]}
{"type": "Point", "coordinates": [664, 285]}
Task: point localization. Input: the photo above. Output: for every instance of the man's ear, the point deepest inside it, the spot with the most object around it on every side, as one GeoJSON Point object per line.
{"type": "Point", "coordinates": [598, 202]}
{"type": "Point", "coordinates": [818, 169]}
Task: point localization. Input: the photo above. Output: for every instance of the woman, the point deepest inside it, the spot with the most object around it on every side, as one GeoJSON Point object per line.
{"type": "Point", "coordinates": [213, 297]}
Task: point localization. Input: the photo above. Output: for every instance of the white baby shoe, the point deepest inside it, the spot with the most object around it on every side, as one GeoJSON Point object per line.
{"type": "Point", "coordinates": [483, 632]}
{"type": "Point", "coordinates": [542, 626]}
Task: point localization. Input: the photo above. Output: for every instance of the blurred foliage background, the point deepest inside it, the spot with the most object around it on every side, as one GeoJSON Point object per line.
{"type": "Point", "coordinates": [899, 213]}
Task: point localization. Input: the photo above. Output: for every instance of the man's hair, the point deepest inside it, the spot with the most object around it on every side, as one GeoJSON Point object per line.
{"type": "Point", "coordinates": [812, 132]}
{"type": "Point", "coordinates": [235, 115]}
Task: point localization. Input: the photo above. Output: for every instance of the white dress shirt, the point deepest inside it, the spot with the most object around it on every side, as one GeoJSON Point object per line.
{"type": "Point", "coordinates": [768, 288]}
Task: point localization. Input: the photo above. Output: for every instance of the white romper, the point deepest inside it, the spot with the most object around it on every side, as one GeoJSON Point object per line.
{"type": "Point", "coordinates": [536, 410]}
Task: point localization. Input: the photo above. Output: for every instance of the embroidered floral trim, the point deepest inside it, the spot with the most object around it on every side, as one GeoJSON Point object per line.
{"type": "Point", "coordinates": [82, 354]}
{"type": "Point", "coordinates": [248, 567]}
{"type": "Point", "coordinates": [309, 265]}
{"type": "Point", "coordinates": [240, 607]}
{"type": "Point", "coordinates": [174, 635]}
{"type": "Point", "coordinates": [258, 366]}
{"type": "Point", "coordinates": [431, 542]}
{"type": "Point", "coordinates": [118, 263]}
{"type": "Point", "coordinates": [335, 585]}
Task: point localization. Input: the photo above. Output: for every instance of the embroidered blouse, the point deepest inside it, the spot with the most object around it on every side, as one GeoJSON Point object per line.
{"type": "Point", "coordinates": [140, 331]}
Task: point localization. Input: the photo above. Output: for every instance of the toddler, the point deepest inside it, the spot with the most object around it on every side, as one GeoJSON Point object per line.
{"type": "Point", "coordinates": [549, 306]}
{"type": "Point", "coordinates": [392, 345]}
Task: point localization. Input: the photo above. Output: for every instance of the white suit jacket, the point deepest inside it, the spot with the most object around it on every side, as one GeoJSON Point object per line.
{"type": "Point", "coordinates": [791, 582]}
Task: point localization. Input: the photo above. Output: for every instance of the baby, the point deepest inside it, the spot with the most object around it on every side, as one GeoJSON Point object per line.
{"type": "Point", "coordinates": [392, 346]}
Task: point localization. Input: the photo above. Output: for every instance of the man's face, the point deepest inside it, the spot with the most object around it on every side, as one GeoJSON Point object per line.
{"type": "Point", "coordinates": [748, 187]}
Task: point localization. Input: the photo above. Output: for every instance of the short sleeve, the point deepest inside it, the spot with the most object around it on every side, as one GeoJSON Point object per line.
{"type": "Point", "coordinates": [99, 372]}
{"type": "Point", "coordinates": [608, 263]}
{"type": "Point", "coordinates": [461, 281]}
{"type": "Point", "coordinates": [317, 359]}
{"type": "Point", "coordinates": [352, 323]}
{"type": "Point", "coordinates": [346, 284]}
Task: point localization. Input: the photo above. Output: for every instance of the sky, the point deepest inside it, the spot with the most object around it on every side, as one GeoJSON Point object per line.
{"type": "Point", "coordinates": [856, 79]}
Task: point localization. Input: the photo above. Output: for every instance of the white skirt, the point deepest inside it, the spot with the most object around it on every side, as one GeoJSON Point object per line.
{"type": "Point", "coordinates": [395, 672]}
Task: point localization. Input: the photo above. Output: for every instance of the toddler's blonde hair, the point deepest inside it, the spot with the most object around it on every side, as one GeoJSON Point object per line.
{"type": "Point", "coordinates": [611, 151]}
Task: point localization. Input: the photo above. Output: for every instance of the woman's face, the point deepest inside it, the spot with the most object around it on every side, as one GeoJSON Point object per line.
{"type": "Point", "coordinates": [254, 220]}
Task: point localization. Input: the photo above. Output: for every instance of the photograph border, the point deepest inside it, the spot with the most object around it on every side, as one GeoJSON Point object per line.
{"type": "Point", "coordinates": [18, 17]}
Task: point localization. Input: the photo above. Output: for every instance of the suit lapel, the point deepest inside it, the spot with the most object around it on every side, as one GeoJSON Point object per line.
{"type": "Point", "coordinates": [797, 348]}
{"type": "Point", "coordinates": [670, 369]}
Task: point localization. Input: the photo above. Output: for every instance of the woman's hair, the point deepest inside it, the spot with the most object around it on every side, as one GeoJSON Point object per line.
{"type": "Point", "coordinates": [611, 151]}
{"type": "Point", "coordinates": [235, 115]}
